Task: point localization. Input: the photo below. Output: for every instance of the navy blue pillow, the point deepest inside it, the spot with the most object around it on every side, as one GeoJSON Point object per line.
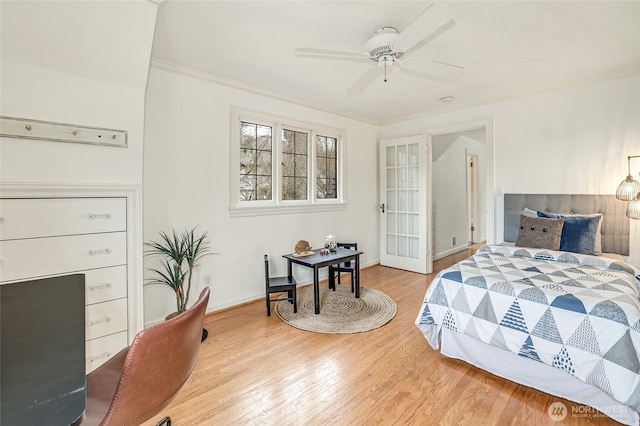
{"type": "Point", "coordinates": [578, 232]}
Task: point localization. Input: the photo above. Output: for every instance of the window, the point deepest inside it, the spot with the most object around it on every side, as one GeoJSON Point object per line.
{"type": "Point", "coordinates": [326, 167]}
{"type": "Point", "coordinates": [255, 162]}
{"type": "Point", "coordinates": [295, 159]}
{"type": "Point", "coordinates": [283, 165]}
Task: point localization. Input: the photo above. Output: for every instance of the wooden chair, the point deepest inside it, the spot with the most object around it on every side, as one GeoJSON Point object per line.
{"type": "Point", "coordinates": [279, 285]}
{"type": "Point", "coordinates": [141, 380]}
{"type": "Point", "coordinates": [347, 267]}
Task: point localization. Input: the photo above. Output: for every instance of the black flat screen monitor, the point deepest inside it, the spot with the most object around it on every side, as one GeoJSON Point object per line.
{"type": "Point", "coordinates": [42, 351]}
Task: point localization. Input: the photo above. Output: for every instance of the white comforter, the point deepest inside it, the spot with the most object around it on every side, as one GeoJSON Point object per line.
{"type": "Point", "coordinates": [578, 313]}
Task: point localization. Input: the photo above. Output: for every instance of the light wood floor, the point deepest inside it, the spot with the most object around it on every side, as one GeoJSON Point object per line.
{"type": "Point", "coordinates": [257, 370]}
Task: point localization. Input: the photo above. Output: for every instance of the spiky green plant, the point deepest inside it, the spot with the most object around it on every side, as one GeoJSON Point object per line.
{"type": "Point", "coordinates": [181, 253]}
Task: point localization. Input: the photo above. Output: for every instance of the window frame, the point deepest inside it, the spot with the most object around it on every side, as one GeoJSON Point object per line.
{"type": "Point", "coordinates": [277, 205]}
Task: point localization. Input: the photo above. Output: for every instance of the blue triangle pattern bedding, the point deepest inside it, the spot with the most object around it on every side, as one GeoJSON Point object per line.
{"type": "Point", "coordinates": [575, 312]}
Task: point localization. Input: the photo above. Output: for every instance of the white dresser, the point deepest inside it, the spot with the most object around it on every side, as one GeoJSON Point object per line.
{"type": "Point", "coordinates": [44, 237]}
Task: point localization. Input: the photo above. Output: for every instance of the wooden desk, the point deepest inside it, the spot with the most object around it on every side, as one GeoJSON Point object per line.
{"type": "Point", "coordinates": [317, 261]}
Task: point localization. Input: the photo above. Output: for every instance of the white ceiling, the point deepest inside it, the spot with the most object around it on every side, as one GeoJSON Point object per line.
{"type": "Point", "coordinates": [508, 48]}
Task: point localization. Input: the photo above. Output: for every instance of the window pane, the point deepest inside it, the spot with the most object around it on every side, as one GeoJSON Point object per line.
{"type": "Point", "coordinates": [402, 224]}
{"type": "Point", "coordinates": [247, 187]}
{"type": "Point", "coordinates": [264, 163]}
{"type": "Point", "coordinates": [391, 222]}
{"type": "Point", "coordinates": [414, 176]}
{"type": "Point", "coordinates": [301, 189]}
{"type": "Point", "coordinates": [391, 178]}
{"type": "Point", "coordinates": [326, 167]}
{"type": "Point", "coordinates": [402, 177]}
{"type": "Point", "coordinates": [391, 156]}
{"type": "Point", "coordinates": [391, 244]}
{"type": "Point", "coordinates": [402, 155]}
{"type": "Point", "coordinates": [413, 154]}
{"type": "Point", "coordinates": [391, 201]}
{"type": "Point", "coordinates": [414, 248]}
{"type": "Point", "coordinates": [288, 165]}
{"type": "Point", "coordinates": [300, 168]}
{"type": "Point", "coordinates": [288, 188]}
{"type": "Point", "coordinates": [301, 143]}
{"type": "Point", "coordinates": [294, 164]}
{"type": "Point", "coordinates": [288, 141]}
{"type": "Point", "coordinates": [402, 246]}
{"type": "Point", "coordinates": [264, 187]}
{"type": "Point", "coordinates": [332, 169]}
{"type": "Point", "coordinates": [414, 227]}
{"type": "Point", "coordinates": [255, 162]}
{"type": "Point", "coordinates": [414, 201]}
{"type": "Point", "coordinates": [321, 146]}
{"type": "Point", "coordinates": [264, 138]}
{"type": "Point", "coordinates": [402, 201]}
{"type": "Point", "coordinates": [247, 161]}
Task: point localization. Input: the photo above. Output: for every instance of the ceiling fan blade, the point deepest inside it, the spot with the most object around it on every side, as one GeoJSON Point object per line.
{"type": "Point", "coordinates": [337, 58]}
{"type": "Point", "coordinates": [364, 81]}
{"type": "Point", "coordinates": [429, 22]}
{"type": "Point", "coordinates": [431, 70]}
{"type": "Point", "coordinates": [311, 50]}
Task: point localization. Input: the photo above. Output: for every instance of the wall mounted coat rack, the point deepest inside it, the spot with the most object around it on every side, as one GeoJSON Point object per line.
{"type": "Point", "coordinates": [22, 128]}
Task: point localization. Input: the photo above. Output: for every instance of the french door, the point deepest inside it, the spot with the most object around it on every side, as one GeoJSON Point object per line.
{"type": "Point", "coordinates": [405, 209]}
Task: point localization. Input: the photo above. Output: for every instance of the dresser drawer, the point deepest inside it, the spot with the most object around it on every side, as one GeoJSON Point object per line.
{"type": "Point", "coordinates": [47, 217]}
{"type": "Point", "coordinates": [20, 259]}
{"type": "Point", "coordinates": [105, 284]}
{"type": "Point", "coordinates": [105, 318]}
{"type": "Point", "coordinates": [98, 351]}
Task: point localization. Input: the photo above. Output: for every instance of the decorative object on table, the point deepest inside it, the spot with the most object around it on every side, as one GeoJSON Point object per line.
{"type": "Point", "coordinates": [279, 285]}
{"type": "Point", "coordinates": [341, 313]}
{"type": "Point", "coordinates": [629, 190]}
{"type": "Point", "coordinates": [181, 255]}
{"type": "Point", "coordinates": [335, 271]}
{"type": "Point", "coordinates": [331, 243]}
{"type": "Point", "coordinates": [303, 249]}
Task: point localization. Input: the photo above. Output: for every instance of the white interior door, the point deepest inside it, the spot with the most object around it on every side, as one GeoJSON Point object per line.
{"type": "Point", "coordinates": [405, 194]}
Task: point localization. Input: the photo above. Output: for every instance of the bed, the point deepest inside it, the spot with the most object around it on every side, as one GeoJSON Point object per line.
{"type": "Point", "coordinates": [561, 321]}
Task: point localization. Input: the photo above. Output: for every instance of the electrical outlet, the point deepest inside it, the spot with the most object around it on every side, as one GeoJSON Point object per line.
{"type": "Point", "coordinates": [453, 241]}
{"type": "Point", "coordinates": [208, 280]}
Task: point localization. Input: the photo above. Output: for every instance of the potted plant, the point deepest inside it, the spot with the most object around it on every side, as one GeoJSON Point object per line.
{"type": "Point", "coordinates": [181, 254]}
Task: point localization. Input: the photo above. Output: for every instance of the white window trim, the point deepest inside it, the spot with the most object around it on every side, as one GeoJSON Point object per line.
{"type": "Point", "coordinates": [238, 208]}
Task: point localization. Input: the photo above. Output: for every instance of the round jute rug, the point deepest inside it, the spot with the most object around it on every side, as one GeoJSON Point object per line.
{"type": "Point", "coordinates": [340, 311]}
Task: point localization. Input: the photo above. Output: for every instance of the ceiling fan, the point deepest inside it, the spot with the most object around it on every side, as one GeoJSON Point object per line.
{"type": "Point", "coordinates": [389, 49]}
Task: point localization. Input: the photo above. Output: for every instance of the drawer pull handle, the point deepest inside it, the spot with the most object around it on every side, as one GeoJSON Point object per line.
{"type": "Point", "coordinates": [94, 252]}
{"type": "Point", "coordinates": [1, 220]}
{"type": "Point", "coordinates": [100, 287]}
{"type": "Point", "coordinates": [99, 216]}
{"type": "Point", "coordinates": [103, 355]}
{"type": "Point", "coordinates": [1, 262]}
{"type": "Point", "coordinates": [99, 321]}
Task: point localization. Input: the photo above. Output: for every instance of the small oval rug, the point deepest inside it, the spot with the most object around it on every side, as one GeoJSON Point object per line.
{"type": "Point", "coordinates": [340, 311]}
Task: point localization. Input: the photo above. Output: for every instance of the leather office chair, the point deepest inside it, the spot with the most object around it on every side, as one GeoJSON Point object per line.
{"type": "Point", "coordinates": [279, 285]}
{"type": "Point", "coordinates": [141, 380]}
{"type": "Point", "coordinates": [337, 270]}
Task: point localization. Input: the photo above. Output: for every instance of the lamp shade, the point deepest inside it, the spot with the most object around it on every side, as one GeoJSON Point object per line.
{"type": "Point", "coordinates": [633, 209]}
{"type": "Point", "coordinates": [628, 189]}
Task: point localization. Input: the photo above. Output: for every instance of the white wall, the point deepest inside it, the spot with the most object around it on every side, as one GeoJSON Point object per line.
{"type": "Point", "coordinates": [43, 94]}
{"type": "Point", "coordinates": [572, 141]}
{"type": "Point", "coordinates": [60, 63]}
{"type": "Point", "coordinates": [186, 182]}
{"type": "Point", "coordinates": [449, 191]}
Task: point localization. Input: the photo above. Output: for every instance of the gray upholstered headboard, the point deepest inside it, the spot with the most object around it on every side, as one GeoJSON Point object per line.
{"type": "Point", "coordinates": [615, 223]}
